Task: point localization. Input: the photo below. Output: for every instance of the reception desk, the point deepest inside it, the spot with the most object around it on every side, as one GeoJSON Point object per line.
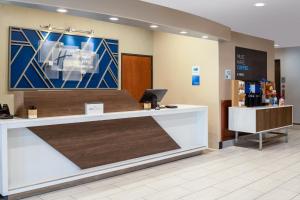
{"type": "Point", "coordinates": [51, 151]}
{"type": "Point", "coordinates": [261, 120]}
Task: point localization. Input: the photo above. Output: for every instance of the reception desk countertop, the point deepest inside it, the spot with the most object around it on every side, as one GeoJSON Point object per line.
{"type": "Point", "coordinates": [46, 152]}
{"type": "Point", "coordinates": [20, 122]}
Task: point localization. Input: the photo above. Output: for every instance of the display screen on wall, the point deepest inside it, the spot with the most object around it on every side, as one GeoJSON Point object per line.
{"type": "Point", "coordinates": [251, 65]}
{"type": "Point", "coordinates": [51, 60]}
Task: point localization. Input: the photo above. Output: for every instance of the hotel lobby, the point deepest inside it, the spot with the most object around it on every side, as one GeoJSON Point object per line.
{"type": "Point", "coordinates": [149, 100]}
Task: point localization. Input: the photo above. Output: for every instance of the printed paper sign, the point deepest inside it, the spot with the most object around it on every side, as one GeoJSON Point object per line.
{"type": "Point", "coordinates": [228, 75]}
{"type": "Point", "coordinates": [196, 75]}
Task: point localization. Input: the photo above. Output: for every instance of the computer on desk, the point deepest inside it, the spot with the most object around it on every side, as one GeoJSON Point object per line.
{"type": "Point", "coordinates": [153, 96]}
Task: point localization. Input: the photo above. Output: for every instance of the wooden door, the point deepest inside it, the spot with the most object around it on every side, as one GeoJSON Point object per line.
{"type": "Point", "coordinates": [136, 74]}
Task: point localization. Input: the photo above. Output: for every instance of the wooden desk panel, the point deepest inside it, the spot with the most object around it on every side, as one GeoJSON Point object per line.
{"type": "Point", "coordinates": [93, 144]}
{"type": "Point", "coordinates": [62, 103]}
{"type": "Point", "coordinates": [267, 119]}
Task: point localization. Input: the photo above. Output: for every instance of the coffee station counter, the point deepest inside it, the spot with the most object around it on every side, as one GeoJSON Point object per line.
{"type": "Point", "coordinates": [260, 120]}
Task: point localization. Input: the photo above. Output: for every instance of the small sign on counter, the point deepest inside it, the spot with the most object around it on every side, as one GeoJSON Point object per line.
{"type": "Point", "coordinates": [94, 108]}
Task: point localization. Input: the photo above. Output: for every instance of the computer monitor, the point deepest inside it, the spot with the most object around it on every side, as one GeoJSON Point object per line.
{"type": "Point", "coordinates": [153, 96]}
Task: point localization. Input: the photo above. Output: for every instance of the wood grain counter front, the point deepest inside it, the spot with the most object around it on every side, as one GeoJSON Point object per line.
{"type": "Point", "coordinates": [267, 119]}
{"type": "Point", "coordinates": [92, 144]}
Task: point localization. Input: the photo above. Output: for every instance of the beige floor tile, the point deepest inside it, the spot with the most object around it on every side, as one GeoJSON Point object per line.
{"type": "Point", "coordinates": [206, 194]}
{"type": "Point", "coordinates": [225, 174]}
{"type": "Point", "coordinates": [232, 184]}
{"type": "Point", "coordinates": [242, 194]}
{"type": "Point", "coordinates": [264, 185]}
{"type": "Point", "coordinates": [255, 175]}
{"type": "Point", "coordinates": [292, 185]}
{"type": "Point", "coordinates": [166, 183]}
{"type": "Point", "coordinates": [104, 182]}
{"type": "Point", "coordinates": [294, 167]}
{"type": "Point", "coordinates": [170, 194]}
{"type": "Point", "coordinates": [284, 175]}
{"type": "Point", "coordinates": [278, 194]}
{"type": "Point", "coordinates": [100, 192]}
{"type": "Point", "coordinates": [297, 197]}
{"type": "Point", "coordinates": [199, 184]}
{"type": "Point", "coordinates": [129, 183]}
{"type": "Point", "coordinates": [244, 167]}
{"type": "Point", "coordinates": [64, 193]}
{"type": "Point", "coordinates": [133, 194]}
{"type": "Point", "coordinates": [194, 174]}
{"type": "Point", "coordinates": [272, 167]}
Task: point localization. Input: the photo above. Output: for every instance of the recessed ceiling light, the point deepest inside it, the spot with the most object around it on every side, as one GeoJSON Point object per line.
{"type": "Point", "coordinates": [205, 37]}
{"type": "Point", "coordinates": [260, 4]}
{"type": "Point", "coordinates": [61, 10]}
{"type": "Point", "coordinates": [153, 26]}
{"type": "Point", "coordinates": [114, 19]}
{"type": "Point", "coordinates": [183, 32]}
{"type": "Point", "coordinates": [276, 45]}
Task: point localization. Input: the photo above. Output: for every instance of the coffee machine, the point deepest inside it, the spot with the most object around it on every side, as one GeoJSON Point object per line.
{"type": "Point", "coordinates": [4, 112]}
{"type": "Point", "coordinates": [253, 93]}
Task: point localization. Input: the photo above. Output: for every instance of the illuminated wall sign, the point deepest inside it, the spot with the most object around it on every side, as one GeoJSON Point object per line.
{"type": "Point", "coordinates": [51, 60]}
{"type": "Point", "coordinates": [251, 65]}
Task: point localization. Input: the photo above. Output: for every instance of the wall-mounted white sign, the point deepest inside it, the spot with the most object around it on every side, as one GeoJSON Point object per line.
{"type": "Point", "coordinates": [228, 74]}
{"type": "Point", "coordinates": [196, 75]}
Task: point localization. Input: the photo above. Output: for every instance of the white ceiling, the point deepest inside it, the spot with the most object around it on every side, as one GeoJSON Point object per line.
{"type": "Point", "coordinates": [279, 20]}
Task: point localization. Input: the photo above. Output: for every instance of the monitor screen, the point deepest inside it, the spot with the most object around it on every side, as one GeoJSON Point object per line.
{"type": "Point", "coordinates": [149, 94]}
{"type": "Point", "coordinates": [251, 65]}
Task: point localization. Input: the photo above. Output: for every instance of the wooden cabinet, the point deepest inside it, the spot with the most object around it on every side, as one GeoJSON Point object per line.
{"type": "Point", "coordinates": [267, 119]}
{"type": "Point", "coordinates": [259, 119]}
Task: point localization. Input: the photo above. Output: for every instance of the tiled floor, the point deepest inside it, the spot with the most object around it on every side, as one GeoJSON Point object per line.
{"type": "Point", "coordinates": [233, 173]}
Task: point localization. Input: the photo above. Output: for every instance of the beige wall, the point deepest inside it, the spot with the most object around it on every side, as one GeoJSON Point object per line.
{"type": "Point", "coordinates": [227, 58]}
{"type": "Point", "coordinates": [173, 59]}
{"type": "Point", "coordinates": [132, 40]}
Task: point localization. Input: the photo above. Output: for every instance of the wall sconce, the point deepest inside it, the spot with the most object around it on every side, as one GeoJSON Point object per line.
{"type": "Point", "coordinates": [49, 27]}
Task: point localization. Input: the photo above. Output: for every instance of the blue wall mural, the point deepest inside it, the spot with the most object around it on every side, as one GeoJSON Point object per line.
{"type": "Point", "coordinates": [51, 60]}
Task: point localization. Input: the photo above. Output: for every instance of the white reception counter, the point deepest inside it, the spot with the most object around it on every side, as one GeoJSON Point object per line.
{"type": "Point", "coordinates": [29, 163]}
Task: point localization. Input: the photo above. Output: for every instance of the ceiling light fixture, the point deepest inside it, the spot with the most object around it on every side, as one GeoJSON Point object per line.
{"type": "Point", "coordinates": [47, 27]}
{"type": "Point", "coordinates": [260, 4]}
{"type": "Point", "coordinates": [114, 19]}
{"type": "Point", "coordinates": [61, 10]}
{"type": "Point", "coordinates": [276, 45]}
{"type": "Point", "coordinates": [183, 32]}
{"type": "Point", "coordinates": [154, 26]}
{"type": "Point", "coordinates": [205, 37]}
